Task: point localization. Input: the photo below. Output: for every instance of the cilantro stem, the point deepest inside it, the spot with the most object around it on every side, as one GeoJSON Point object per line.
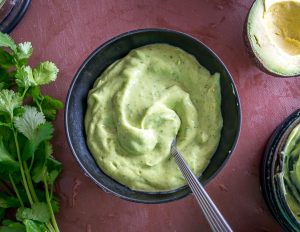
{"type": "Point", "coordinates": [4, 124]}
{"type": "Point", "coordinates": [49, 204]}
{"type": "Point", "coordinates": [25, 91]}
{"type": "Point", "coordinates": [21, 168]}
{"type": "Point", "coordinates": [51, 191]}
{"type": "Point", "coordinates": [50, 227]}
{"type": "Point", "coordinates": [29, 181]}
{"type": "Point", "coordinates": [31, 162]}
{"type": "Point", "coordinates": [19, 82]}
{"type": "Point", "coordinates": [16, 190]}
{"type": "Point", "coordinates": [39, 106]}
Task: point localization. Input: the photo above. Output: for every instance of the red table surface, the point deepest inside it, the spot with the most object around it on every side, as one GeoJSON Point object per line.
{"type": "Point", "coordinates": [67, 31]}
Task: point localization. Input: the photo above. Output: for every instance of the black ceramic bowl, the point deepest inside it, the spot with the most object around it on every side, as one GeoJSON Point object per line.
{"type": "Point", "coordinates": [11, 13]}
{"type": "Point", "coordinates": [117, 48]}
{"type": "Point", "coordinates": [272, 168]}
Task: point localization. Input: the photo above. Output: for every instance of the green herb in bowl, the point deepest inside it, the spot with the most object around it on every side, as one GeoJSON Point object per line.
{"type": "Point", "coordinates": [27, 168]}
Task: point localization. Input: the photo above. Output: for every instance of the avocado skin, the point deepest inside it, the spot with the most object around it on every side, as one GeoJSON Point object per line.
{"type": "Point", "coordinates": [252, 54]}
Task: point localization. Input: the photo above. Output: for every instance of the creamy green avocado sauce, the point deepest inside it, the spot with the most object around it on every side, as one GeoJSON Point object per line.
{"type": "Point", "coordinates": [292, 171]}
{"type": "Point", "coordinates": [141, 103]}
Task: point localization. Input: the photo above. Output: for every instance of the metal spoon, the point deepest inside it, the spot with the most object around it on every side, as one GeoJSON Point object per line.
{"type": "Point", "coordinates": [210, 210]}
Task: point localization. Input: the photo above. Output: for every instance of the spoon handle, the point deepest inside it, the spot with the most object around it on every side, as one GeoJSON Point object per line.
{"type": "Point", "coordinates": [210, 210]}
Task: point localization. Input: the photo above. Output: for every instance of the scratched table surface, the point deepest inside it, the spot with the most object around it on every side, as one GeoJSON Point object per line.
{"type": "Point", "coordinates": [67, 31]}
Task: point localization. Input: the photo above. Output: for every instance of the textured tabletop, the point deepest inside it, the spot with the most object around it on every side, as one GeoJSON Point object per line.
{"type": "Point", "coordinates": [67, 31]}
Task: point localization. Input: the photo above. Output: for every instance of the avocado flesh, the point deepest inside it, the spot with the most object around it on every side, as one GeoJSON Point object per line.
{"type": "Point", "coordinates": [273, 33]}
{"type": "Point", "coordinates": [292, 171]}
{"type": "Point", "coordinates": [283, 22]}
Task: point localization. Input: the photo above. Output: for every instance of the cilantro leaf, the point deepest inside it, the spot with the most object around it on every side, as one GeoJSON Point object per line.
{"type": "Point", "coordinates": [54, 168]}
{"type": "Point", "coordinates": [45, 164]}
{"type": "Point", "coordinates": [7, 163]}
{"type": "Point", "coordinates": [8, 201]}
{"type": "Point", "coordinates": [38, 172]}
{"type": "Point", "coordinates": [34, 127]}
{"type": "Point", "coordinates": [7, 222]}
{"type": "Point", "coordinates": [50, 106]}
{"type": "Point", "coordinates": [11, 226]}
{"type": "Point", "coordinates": [29, 122]}
{"type": "Point", "coordinates": [54, 200]}
{"type": "Point", "coordinates": [48, 149]}
{"type": "Point", "coordinates": [39, 212]}
{"type": "Point", "coordinates": [24, 51]}
{"type": "Point", "coordinates": [6, 59]}
{"type": "Point", "coordinates": [33, 226]}
{"type": "Point", "coordinates": [26, 133]}
{"type": "Point", "coordinates": [28, 150]}
{"type": "Point", "coordinates": [39, 167]}
{"type": "Point", "coordinates": [24, 77]}
{"type": "Point", "coordinates": [5, 79]}
{"type": "Point", "coordinates": [55, 204]}
{"type": "Point", "coordinates": [7, 41]}
{"type": "Point", "coordinates": [45, 72]}
{"type": "Point", "coordinates": [35, 92]}
{"type": "Point", "coordinates": [4, 175]}
{"type": "Point", "coordinates": [41, 133]}
{"type": "Point", "coordinates": [9, 100]}
{"type": "Point", "coordinates": [2, 85]}
{"type": "Point", "coordinates": [8, 140]}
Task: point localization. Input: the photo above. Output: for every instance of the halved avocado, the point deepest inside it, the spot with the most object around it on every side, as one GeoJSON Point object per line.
{"type": "Point", "coordinates": [273, 35]}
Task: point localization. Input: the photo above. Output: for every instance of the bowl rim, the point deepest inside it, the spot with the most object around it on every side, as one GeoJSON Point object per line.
{"type": "Point", "coordinates": [77, 76]}
{"type": "Point", "coordinates": [15, 15]}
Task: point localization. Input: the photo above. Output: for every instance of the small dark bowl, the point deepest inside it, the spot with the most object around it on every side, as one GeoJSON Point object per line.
{"type": "Point", "coordinates": [117, 48]}
{"type": "Point", "coordinates": [272, 165]}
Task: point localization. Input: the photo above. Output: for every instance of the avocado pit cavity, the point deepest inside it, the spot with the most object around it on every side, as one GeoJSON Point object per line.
{"type": "Point", "coordinates": [282, 20]}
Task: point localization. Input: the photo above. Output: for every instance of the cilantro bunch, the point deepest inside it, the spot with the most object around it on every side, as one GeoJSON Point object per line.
{"type": "Point", "coordinates": [27, 168]}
